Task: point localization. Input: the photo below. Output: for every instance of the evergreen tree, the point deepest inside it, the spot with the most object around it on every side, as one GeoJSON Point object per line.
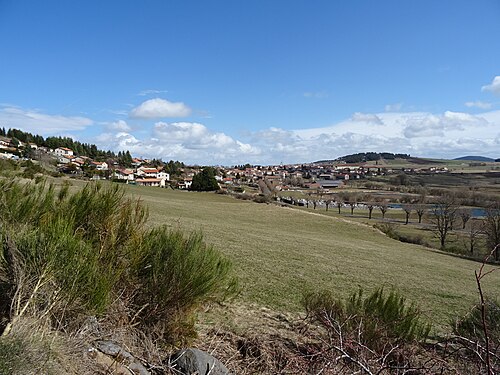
{"type": "Point", "coordinates": [205, 180]}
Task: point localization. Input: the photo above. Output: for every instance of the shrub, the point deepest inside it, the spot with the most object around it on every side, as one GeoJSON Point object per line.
{"type": "Point", "coordinates": [178, 273]}
{"type": "Point", "coordinates": [389, 229]}
{"type": "Point", "coordinates": [376, 320]}
{"type": "Point", "coordinates": [262, 198]}
{"type": "Point", "coordinates": [63, 255]}
{"type": "Point", "coordinates": [474, 342]}
{"type": "Point", "coordinates": [471, 326]}
{"type": "Point", "coordinates": [414, 239]}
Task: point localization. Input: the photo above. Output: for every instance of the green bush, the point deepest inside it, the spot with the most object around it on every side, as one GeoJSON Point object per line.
{"type": "Point", "coordinates": [262, 198]}
{"type": "Point", "coordinates": [178, 273]}
{"type": "Point", "coordinates": [65, 254]}
{"type": "Point", "coordinates": [471, 326]}
{"type": "Point", "coordinates": [376, 320]}
{"type": "Point", "coordinates": [414, 239]}
{"type": "Point", "coordinates": [389, 229]}
{"type": "Point", "coordinates": [8, 165]}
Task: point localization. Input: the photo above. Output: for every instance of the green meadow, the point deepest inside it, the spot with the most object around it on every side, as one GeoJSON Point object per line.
{"type": "Point", "coordinates": [279, 252]}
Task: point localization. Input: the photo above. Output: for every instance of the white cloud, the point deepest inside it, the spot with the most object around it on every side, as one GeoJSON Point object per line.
{"type": "Point", "coordinates": [478, 104]}
{"type": "Point", "coordinates": [37, 122]}
{"type": "Point", "coordinates": [151, 92]}
{"type": "Point", "coordinates": [316, 94]}
{"type": "Point", "coordinates": [186, 141]}
{"type": "Point", "coordinates": [494, 86]}
{"type": "Point", "coordinates": [160, 108]}
{"type": "Point", "coordinates": [430, 125]}
{"type": "Point", "coordinates": [366, 117]}
{"type": "Point", "coordinates": [396, 107]}
{"type": "Point", "coordinates": [119, 125]}
{"type": "Point", "coordinates": [440, 135]}
{"type": "Point", "coordinates": [449, 134]}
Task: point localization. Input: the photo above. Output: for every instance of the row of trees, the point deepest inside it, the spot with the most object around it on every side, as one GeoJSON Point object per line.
{"type": "Point", "coordinates": [371, 156]}
{"type": "Point", "coordinates": [444, 214]}
{"type": "Point", "coordinates": [79, 148]}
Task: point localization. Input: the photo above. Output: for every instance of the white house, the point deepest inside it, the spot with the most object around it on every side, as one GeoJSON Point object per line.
{"type": "Point", "coordinates": [63, 151]}
{"type": "Point", "coordinates": [150, 182]}
{"type": "Point", "coordinates": [124, 174]}
{"type": "Point", "coordinates": [186, 184]}
{"type": "Point", "coordinates": [4, 142]}
{"type": "Point", "coordinates": [64, 159]}
{"type": "Point", "coordinates": [100, 165]}
{"type": "Point", "coordinates": [163, 175]}
{"type": "Point", "coordinates": [147, 172]}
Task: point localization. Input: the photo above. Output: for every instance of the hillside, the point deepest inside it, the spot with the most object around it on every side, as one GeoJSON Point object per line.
{"type": "Point", "coordinates": [280, 252]}
{"type": "Point", "coordinates": [379, 157]}
{"type": "Point", "coordinates": [475, 158]}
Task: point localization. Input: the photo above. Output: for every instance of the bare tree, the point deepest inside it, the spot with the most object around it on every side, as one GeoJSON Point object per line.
{"type": "Point", "coordinates": [309, 194]}
{"type": "Point", "coordinates": [475, 229]}
{"type": "Point", "coordinates": [370, 206]}
{"type": "Point", "coordinates": [420, 209]}
{"type": "Point", "coordinates": [383, 206]}
{"type": "Point", "coordinates": [492, 228]}
{"type": "Point", "coordinates": [465, 214]}
{"type": "Point", "coordinates": [407, 208]}
{"type": "Point", "coordinates": [420, 204]}
{"type": "Point", "coordinates": [353, 201]}
{"type": "Point", "coordinates": [442, 216]}
{"type": "Point", "coordinates": [328, 202]}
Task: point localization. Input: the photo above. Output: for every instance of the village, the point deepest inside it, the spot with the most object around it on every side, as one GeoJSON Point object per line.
{"type": "Point", "coordinates": [324, 176]}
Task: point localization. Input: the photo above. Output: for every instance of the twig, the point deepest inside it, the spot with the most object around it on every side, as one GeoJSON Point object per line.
{"type": "Point", "coordinates": [479, 276]}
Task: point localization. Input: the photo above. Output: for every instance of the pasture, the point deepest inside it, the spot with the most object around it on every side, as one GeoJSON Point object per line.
{"type": "Point", "coordinates": [279, 252]}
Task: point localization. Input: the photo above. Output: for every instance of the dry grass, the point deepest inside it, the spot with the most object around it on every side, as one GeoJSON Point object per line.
{"type": "Point", "coordinates": [280, 252]}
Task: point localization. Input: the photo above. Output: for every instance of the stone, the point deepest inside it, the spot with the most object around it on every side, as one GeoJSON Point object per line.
{"type": "Point", "coordinates": [112, 356]}
{"type": "Point", "coordinates": [192, 361]}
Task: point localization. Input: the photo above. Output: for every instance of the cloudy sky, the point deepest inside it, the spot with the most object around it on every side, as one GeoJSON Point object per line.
{"type": "Point", "coordinates": [230, 82]}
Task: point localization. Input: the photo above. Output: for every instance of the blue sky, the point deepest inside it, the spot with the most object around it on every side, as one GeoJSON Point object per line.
{"type": "Point", "coordinates": [226, 82]}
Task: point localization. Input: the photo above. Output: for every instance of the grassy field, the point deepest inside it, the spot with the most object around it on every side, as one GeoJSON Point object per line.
{"type": "Point", "coordinates": [280, 252]}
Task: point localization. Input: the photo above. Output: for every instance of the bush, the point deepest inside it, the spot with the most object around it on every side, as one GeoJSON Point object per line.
{"type": "Point", "coordinates": [471, 326]}
{"type": "Point", "coordinates": [377, 320]}
{"type": "Point", "coordinates": [414, 239]}
{"type": "Point", "coordinates": [262, 198]}
{"type": "Point", "coordinates": [389, 229]}
{"type": "Point", "coordinates": [471, 337]}
{"type": "Point", "coordinates": [63, 255]}
{"type": "Point", "coordinates": [375, 334]}
{"type": "Point", "coordinates": [178, 273]}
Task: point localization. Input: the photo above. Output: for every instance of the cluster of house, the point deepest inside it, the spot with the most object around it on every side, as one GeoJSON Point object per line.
{"type": "Point", "coordinates": [141, 174]}
{"type": "Point", "coordinates": [279, 177]}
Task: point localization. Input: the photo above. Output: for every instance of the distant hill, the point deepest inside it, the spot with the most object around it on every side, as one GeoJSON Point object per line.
{"type": "Point", "coordinates": [363, 157]}
{"type": "Point", "coordinates": [475, 158]}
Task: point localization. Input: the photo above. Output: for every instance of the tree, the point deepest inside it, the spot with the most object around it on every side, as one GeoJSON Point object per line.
{"type": "Point", "coordinates": [420, 206]}
{"type": "Point", "coordinates": [420, 210]}
{"type": "Point", "coordinates": [473, 233]}
{"type": "Point", "coordinates": [205, 180]}
{"type": "Point", "coordinates": [352, 200]}
{"type": "Point", "coordinates": [383, 206]}
{"type": "Point", "coordinates": [442, 216]}
{"type": "Point", "coordinates": [339, 202]}
{"type": "Point", "coordinates": [370, 206]}
{"type": "Point", "coordinates": [407, 208]}
{"type": "Point", "coordinates": [328, 202]}
{"type": "Point", "coordinates": [492, 229]}
{"type": "Point", "coordinates": [465, 215]}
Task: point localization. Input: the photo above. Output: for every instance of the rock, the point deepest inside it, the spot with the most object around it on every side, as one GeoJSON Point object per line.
{"type": "Point", "coordinates": [112, 356]}
{"type": "Point", "coordinates": [196, 362]}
